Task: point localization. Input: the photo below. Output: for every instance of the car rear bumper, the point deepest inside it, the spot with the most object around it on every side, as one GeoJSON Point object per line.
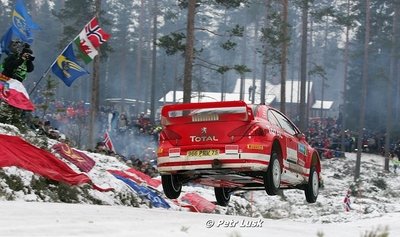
{"type": "Point", "coordinates": [242, 161]}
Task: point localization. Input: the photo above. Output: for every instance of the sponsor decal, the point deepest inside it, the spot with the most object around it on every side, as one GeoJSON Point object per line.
{"type": "Point", "coordinates": [302, 149]}
{"type": "Point", "coordinates": [203, 137]}
{"type": "Point", "coordinates": [174, 152]}
{"type": "Point", "coordinates": [275, 131]}
{"type": "Point", "coordinates": [255, 147]}
{"type": "Point", "coordinates": [231, 149]}
{"type": "Point", "coordinates": [291, 155]}
{"type": "Point", "coordinates": [301, 162]}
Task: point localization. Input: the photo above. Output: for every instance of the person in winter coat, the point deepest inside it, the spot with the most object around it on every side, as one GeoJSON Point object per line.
{"type": "Point", "coordinates": [19, 63]}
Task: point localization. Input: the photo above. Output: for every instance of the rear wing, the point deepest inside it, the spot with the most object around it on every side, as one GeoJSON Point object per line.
{"type": "Point", "coordinates": [206, 111]}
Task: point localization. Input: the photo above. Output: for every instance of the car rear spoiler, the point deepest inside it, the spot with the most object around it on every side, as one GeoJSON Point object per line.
{"type": "Point", "coordinates": [166, 111]}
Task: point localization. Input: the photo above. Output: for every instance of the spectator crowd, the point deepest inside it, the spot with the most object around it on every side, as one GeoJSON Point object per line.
{"type": "Point", "coordinates": [326, 136]}
{"type": "Point", "coordinates": [134, 137]}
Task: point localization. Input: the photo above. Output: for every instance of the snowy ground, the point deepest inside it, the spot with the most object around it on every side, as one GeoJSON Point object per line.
{"type": "Point", "coordinates": [57, 219]}
{"type": "Point", "coordinates": [375, 204]}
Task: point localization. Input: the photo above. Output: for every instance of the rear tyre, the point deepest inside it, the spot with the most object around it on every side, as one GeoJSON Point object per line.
{"type": "Point", "coordinates": [272, 178]}
{"type": "Point", "coordinates": [171, 186]}
{"type": "Point", "coordinates": [312, 187]}
{"type": "Point", "coordinates": [223, 196]}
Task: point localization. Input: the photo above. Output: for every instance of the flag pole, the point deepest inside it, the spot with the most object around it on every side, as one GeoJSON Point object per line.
{"type": "Point", "coordinates": [51, 65]}
{"type": "Point", "coordinates": [44, 74]}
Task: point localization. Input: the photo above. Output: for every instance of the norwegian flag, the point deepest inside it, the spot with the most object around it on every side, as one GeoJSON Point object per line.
{"type": "Point", "coordinates": [108, 143]}
{"type": "Point", "coordinates": [95, 33]}
{"type": "Point", "coordinates": [347, 202]}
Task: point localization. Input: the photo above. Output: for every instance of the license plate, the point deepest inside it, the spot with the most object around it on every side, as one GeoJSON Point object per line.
{"type": "Point", "coordinates": [212, 152]}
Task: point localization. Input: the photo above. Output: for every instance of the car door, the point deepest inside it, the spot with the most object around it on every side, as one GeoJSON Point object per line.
{"type": "Point", "coordinates": [289, 134]}
{"type": "Point", "coordinates": [293, 146]}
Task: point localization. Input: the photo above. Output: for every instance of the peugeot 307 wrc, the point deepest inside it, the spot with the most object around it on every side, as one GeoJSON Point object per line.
{"type": "Point", "coordinates": [234, 146]}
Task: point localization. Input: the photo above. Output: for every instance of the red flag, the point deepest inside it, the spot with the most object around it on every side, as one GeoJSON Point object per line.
{"type": "Point", "coordinates": [95, 34]}
{"type": "Point", "coordinates": [199, 203]}
{"type": "Point", "coordinates": [108, 143]}
{"type": "Point", "coordinates": [137, 176]}
{"type": "Point", "coordinates": [16, 152]}
{"type": "Point", "coordinates": [80, 159]}
{"type": "Point", "coordinates": [14, 93]}
{"type": "Point", "coordinates": [347, 202]}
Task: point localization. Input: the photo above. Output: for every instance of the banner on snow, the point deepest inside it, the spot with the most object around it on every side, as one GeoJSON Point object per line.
{"type": "Point", "coordinates": [138, 177]}
{"type": "Point", "coordinates": [14, 151]}
{"type": "Point", "coordinates": [198, 203]}
{"type": "Point", "coordinates": [80, 159]}
{"type": "Point", "coordinates": [154, 183]}
{"type": "Point", "coordinates": [142, 191]}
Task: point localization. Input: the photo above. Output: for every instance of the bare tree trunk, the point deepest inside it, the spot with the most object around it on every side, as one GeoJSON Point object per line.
{"type": "Point", "coordinates": [345, 69]}
{"type": "Point", "coordinates": [265, 60]}
{"type": "Point", "coordinates": [397, 64]}
{"type": "Point", "coordinates": [256, 29]}
{"type": "Point", "coordinates": [223, 75]}
{"type": "Point", "coordinates": [154, 64]}
{"type": "Point", "coordinates": [309, 77]}
{"type": "Point", "coordinates": [390, 85]}
{"type": "Point", "coordinates": [123, 78]}
{"type": "Point", "coordinates": [284, 55]}
{"type": "Point", "coordinates": [243, 62]}
{"type": "Point", "coordinates": [322, 77]}
{"type": "Point", "coordinates": [223, 85]}
{"type": "Point", "coordinates": [363, 91]}
{"type": "Point", "coordinates": [93, 129]}
{"type": "Point", "coordinates": [138, 84]}
{"type": "Point", "coordinates": [187, 79]}
{"type": "Point", "coordinates": [303, 67]}
{"type": "Point", "coordinates": [175, 84]}
{"type": "Point", "coordinates": [148, 68]}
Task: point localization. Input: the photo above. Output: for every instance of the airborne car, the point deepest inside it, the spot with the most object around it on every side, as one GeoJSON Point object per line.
{"type": "Point", "coordinates": [234, 146]}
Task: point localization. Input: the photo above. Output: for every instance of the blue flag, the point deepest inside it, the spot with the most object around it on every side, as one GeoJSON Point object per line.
{"type": "Point", "coordinates": [23, 23]}
{"type": "Point", "coordinates": [66, 67]}
{"type": "Point", "coordinates": [145, 192]}
{"type": "Point", "coordinates": [5, 41]}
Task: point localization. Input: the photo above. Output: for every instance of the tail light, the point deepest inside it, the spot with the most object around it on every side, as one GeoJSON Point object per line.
{"type": "Point", "coordinates": [169, 135]}
{"type": "Point", "coordinates": [256, 131]}
{"type": "Point", "coordinates": [246, 130]}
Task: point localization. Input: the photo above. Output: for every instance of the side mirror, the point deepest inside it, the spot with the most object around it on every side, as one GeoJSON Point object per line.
{"type": "Point", "coordinates": [301, 136]}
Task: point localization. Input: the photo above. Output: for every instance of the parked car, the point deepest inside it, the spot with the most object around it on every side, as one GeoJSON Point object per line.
{"type": "Point", "coordinates": [234, 146]}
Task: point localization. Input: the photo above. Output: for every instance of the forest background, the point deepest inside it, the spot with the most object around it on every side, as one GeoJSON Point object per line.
{"type": "Point", "coordinates": [320, 41]}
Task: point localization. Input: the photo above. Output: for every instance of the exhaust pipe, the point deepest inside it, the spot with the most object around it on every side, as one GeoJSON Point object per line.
{"type": "Point", "coordinates": [216, 164]}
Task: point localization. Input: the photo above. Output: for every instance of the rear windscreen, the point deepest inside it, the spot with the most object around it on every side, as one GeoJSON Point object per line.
{"type": "Point", "coordinates": [208, 114]}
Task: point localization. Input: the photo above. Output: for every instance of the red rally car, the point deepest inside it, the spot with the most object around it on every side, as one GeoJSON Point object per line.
{"type": "Point", "coordinates": [234, 146]}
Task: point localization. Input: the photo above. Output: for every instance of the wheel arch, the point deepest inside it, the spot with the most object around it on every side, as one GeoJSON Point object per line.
{"type": "Point", "coordinates": [276, 146]}
{"type": "Point", "coordinates": [315, 161]}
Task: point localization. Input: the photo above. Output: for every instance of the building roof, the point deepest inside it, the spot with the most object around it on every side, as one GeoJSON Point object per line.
{"type": "Point", "coordinates": [271, 90]}
{"type": "Point", "coordinates": [272, 93]}
{"type": "Point", "coordinates": [210, 96]}
{"type": "Point", "coordinates": [326, 105]}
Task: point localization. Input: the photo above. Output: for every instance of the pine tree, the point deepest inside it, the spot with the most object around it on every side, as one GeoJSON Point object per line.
{"type": "Point", "coordinates": [174, 43]}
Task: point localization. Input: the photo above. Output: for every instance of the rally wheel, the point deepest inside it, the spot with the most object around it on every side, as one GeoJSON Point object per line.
{"type": "Point", "coordinates": [223, 196]}
{"type": "Point", "coordinates": [272, 178]}
{"type": "Point", "coordinates": [171, 186]}
{"type": "Point", "coordinates": [312, 187]}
